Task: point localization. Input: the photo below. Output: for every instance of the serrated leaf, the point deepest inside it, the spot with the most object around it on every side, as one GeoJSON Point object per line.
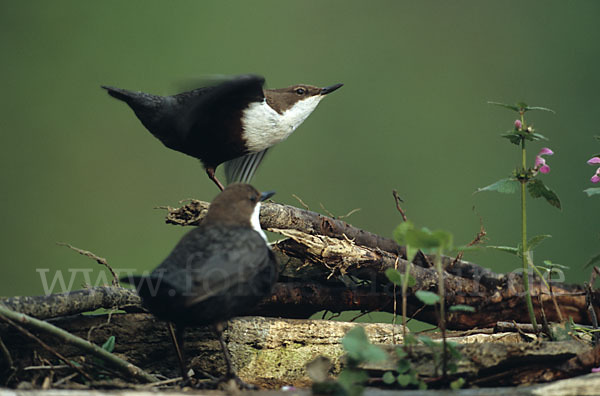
{"type": "Point", "coordinates": [592, 191]}
{"type": "Point", "coordinates": [427, 297]}
{"type": "Point", "coordinates": [529, 108]}
{"type": "Point", "coordinates": [394, 276]}
{"type": "Point", "coordinates": [109, 345]}
{"type": "Point", "coordinates": [593, 261]}
{"type": "Point", "coordinates": [506, 249]}
{"type": "Point", "coordinates": [536, 240]}
{"type": "Point", "coordinates": [537, 189]}
{"type": "Point", "coordinates": [505, 186]}
{"type": "Point", "coordinates": [511, 107]}
{"type": "Point", "coordinates": [388, 378]}
{"type": "Point", "coordinates": [462, 307]}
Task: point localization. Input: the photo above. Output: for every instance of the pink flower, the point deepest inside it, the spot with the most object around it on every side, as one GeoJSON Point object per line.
{"type": "Point", "coordinates": [518, 125]}
{"type": "Point", "coordinates": [596, 177]}
{"type": "Point", "coordinates": [540, 163]}
{"type": "Point", "coordinates": [596, 370]}
{"type": "Point", "coordinates": [593, 161]}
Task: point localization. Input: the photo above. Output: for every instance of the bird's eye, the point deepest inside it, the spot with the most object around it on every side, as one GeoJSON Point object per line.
{"type": "Point", "coordinates": [300, 91]}
{"type": "Point", "coordinates": [253, 199]}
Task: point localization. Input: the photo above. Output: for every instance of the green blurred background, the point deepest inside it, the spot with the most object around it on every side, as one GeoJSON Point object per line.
{"type": "Point", "coordinates": [78, 167]}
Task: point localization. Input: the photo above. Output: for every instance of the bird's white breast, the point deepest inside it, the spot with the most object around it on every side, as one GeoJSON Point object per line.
{"type": "Point", "coordinates": [255, 222]}
{"type": "Point", "coordinates": [263, 127]}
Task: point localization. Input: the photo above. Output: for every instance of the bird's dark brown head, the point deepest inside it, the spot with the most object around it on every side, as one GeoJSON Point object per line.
{"type": "Point", "coordinates": [282, 99]}
{"type": "Point", "coordinates": [236, 206]}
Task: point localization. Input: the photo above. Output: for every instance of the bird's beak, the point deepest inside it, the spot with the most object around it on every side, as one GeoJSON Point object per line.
{"type": "Point", "coordinates": [266, 195]}
{"type": "Point", "coordinates": [330, 89]}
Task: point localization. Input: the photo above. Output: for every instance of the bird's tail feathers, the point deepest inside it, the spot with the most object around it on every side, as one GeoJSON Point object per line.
{"type": "Point", "coordinates": [121, 94]}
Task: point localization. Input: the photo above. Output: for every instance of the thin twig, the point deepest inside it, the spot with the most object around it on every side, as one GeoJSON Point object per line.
{"type": "Point", "coordinates": [6, 354]}
{"type": "Point", "coordinates": [328, 212]}
{"type": "Point", "coordinates": [301, 201]}
{"type": "Point", "coordinates": [553, 297]}
{"type": "Point", "coordinates": [349, 213]}
{"type": "Point", "coordinates": [398, 200]}
{"type": "Point", "coordinates": [44, 345]}
{"type": "Point", "coordinates": [590, 308]}
{"type": "Point", "coordinates": [99, 260]}
{"type": "Point", "coordinates": [118, 363]}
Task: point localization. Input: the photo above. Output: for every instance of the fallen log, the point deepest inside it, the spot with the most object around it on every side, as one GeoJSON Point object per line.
{"type": "Point", "coordinates": [272, 352]}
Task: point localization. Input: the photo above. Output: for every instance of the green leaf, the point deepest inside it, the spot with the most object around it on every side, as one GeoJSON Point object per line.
{"type": "Point", "coordinates": [592, 191]}
{"type": "Point", "coordinates": [522, 105]}
{"type": "Point", "coordinates": [401, 230]}
{"type": "Point", "coordinates": [427, 297]}
{"type": "Point", "coordinates": [529, 108]}
{"type": "Point", "coordinates": [403, 366]}
{"type": "Point", "coordinates": [514, 137]}
{"type": "Point", "coordinates": [537, 189]}
{"type": "Point", "coordinates": [452, 368]}
{"type": "Point", "coordinates": [389, 378]}
{"type": "Point", "coordinates": [411, 252]}
{"type": "Point", "coordinates": [394, 276]}
{"type": "Point", "coordinates": [428, 341]}
{"type": "Point", "coordinates": [462, 307]}
{"type": "Point", "coordinates": [506, 249]}
{"type": "Point", "coordinates": [536, 240]}
{"type": "Point", "coordinates": [538, 136]}
{"type": "Point", "coordinates": [505, 186]}
{"type": "Point", "coordinates": [593, 261]}
{"type": "Point", "coordinates": [359, 348]}
{"type": "Point", "coordinates": [401, 353]}
{"type": "Point", "coordinates": [109, 345]}
{"type": "Point", "coordinates": [453, 348]}
{"type": "Point", "coordinates": [511, 107]}
{"type": "Point", "coordinates": [351, 380]}
{"type": "Point", "coordinates": [457, 383]}
{"type": "Point", "coordinates": [551, 264]}
{"type": "Point", "coordinates": [404, 380]}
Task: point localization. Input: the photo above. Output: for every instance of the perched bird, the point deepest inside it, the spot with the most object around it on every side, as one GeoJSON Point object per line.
{"type": "Point", "coordinates": [234, 122]}
{"type": "Point", "coordinates": [219, 270]}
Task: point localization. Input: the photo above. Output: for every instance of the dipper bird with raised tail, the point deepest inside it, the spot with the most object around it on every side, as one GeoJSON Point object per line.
{"type": "Point", "coordinates": [221, 269]}
{"type": "Point", "coordinates": [234, 122]}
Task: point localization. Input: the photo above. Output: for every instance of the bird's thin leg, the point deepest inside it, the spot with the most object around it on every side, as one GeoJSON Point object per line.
{"type": "Point", "coordinates": [230, 371]}
{"type": "Point", "coordinates": [177, 338]}
{"type": "Point", "coordinates": [211, 176]}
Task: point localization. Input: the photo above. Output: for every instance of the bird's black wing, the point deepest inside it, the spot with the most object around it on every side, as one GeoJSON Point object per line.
{"type": "Point", "coordinates": [226, 98]}
{"type": "Point", "coordinates": [242, 169]}
{"type": "Point", "coordinates": [230, 271]}
{"type": "Point", "coordinates": [208, 262]}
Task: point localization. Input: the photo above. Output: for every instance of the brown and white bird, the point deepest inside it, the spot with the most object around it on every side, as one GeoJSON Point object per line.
{"type": "Point", "coordinates": [234, 122]}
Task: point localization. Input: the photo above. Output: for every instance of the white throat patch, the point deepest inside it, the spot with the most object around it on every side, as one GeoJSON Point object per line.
{"type": "Point", "coordinates": [263, 127]}
{"type": "Point", "coordinates": [255, 222]}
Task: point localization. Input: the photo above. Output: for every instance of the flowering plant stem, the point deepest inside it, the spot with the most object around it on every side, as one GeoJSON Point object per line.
{"type": "Point", "coordinates": [442, 322]}
{"type": "Point", "coordinates": [524, 249]}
